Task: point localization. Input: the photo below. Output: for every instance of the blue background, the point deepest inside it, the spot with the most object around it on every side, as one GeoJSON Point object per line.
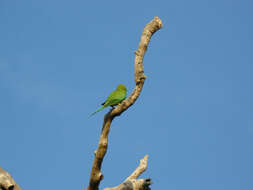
{"type": "Point", "coordinates": [60, 59]}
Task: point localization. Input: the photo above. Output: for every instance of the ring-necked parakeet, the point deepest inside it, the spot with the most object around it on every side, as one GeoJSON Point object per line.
{"type": "Point", "coordinates": [114, 98]}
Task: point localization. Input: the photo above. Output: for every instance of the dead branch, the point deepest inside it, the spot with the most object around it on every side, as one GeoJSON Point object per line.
{"type": "Point", "coordinates": [132, 183]}
{"type": "Point", "coordinates": [96, 176]}
{"type": "Point", "coordinates": [7, 182]}
{"type": "Point", "coordinates": [140, 169]}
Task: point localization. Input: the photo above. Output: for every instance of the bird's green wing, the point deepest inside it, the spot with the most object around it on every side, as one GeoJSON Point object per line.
{"type": "Point", "coordinates": [115, 98]}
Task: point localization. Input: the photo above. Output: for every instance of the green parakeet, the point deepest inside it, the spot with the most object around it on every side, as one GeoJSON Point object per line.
{"type": "Point", "coordinates": [114, 98]}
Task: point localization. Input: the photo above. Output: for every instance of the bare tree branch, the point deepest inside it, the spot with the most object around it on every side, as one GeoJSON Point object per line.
{"type": "Point", "coordinates": [7, 182]}
{"type": "Point", "coordinates": [96, 175]}
{"type": "Point", "coordinates": [140, 169]}
{"type": "Point", "coordinates": [131, 183]}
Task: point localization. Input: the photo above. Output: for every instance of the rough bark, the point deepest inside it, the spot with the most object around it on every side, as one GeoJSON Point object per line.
{"type": "Point", "coordinates": [132, 183]}
{"type": "Point", "coordinates": [7, 182]}
{"type": "Point", "coordinates": [96, 175]}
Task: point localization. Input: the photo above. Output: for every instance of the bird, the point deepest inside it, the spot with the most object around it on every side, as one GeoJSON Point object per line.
{"type": "Point", "coordinates": [116, 97]}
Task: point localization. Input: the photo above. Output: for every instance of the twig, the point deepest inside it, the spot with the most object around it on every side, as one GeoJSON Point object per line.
{"type": "Point", "coordinates": [132, 183]}
{"type": "Point", "coordinates": [140, 169]}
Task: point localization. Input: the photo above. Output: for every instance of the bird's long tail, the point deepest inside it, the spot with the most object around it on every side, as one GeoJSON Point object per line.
{"type": "Point", "coordinates": [102, 107]}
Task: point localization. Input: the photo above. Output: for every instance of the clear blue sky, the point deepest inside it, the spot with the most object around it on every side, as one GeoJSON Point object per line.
{"type": "Point", "coordinates": [60, 59]}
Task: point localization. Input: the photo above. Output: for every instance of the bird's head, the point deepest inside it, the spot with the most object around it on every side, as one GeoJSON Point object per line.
{"type": "Point", "coordinates": [121, 87]}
